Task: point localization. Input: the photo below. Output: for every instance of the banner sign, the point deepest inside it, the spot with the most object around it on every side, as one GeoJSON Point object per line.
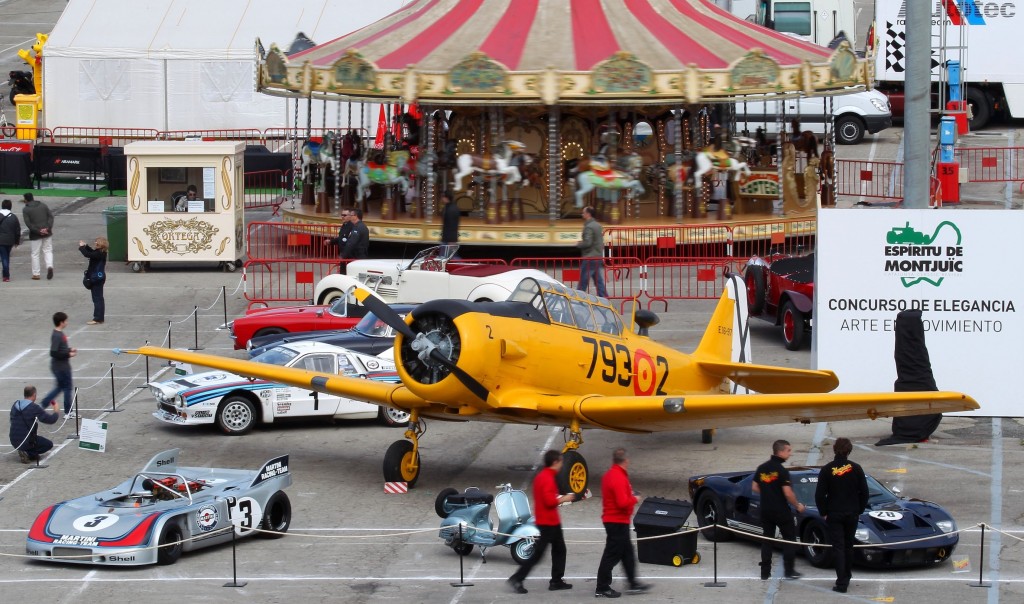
{"type": "Point", "coordinates": [953, 265]}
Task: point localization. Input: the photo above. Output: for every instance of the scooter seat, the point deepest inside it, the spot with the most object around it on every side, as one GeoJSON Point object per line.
{"type": "Point", "coordinates": [471, 496]}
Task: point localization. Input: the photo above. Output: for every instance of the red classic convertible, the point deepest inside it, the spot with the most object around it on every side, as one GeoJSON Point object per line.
{"type": "Point", "coordinates": [780, 289]}
{"type": "Point", "coordinates": [291, 319]}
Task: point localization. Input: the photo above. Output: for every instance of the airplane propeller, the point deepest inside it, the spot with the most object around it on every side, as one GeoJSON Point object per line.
{"type": "Point", "coordinates": [426, 349]}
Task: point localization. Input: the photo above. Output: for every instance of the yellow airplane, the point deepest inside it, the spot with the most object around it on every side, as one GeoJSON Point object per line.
{"type": "Point", "coordinates": [557, 356]}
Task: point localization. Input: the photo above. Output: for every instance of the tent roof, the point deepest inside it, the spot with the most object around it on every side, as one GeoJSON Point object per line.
{"type": "Point", "coordinates": [198, 29]}
{"type": "Point", "coordinates": [562, 51]}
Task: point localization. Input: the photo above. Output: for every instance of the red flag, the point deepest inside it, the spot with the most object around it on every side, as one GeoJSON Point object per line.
{"type": "Point", "coordinates": [382, 127]}
{"type": "Point", "coordinates": [414, 111]}
{"type": "Point", "coordinates": [396, 124]}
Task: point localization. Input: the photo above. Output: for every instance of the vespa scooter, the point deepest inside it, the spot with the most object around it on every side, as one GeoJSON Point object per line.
{"type": "Point", "coordinates": [466, 521]}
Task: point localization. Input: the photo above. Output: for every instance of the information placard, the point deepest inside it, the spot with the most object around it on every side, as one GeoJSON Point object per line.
{"type": "Point", "coordinates": [93, 435]}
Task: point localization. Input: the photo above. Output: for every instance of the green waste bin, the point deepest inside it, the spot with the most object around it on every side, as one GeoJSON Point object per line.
{"type": "Point", "coordinates": [117, 232]}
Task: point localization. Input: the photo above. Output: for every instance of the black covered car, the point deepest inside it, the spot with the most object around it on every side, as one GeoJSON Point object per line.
{"type": "Point", "coordinates": [371, 335]}
{"type": "Point", "coordinates": [889, 519]}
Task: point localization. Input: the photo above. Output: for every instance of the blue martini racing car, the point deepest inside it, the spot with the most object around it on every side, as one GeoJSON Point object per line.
{"type": "Point", "coordinates": [162, 511]}
{"type": "Point", "coordinates": [889, 520]}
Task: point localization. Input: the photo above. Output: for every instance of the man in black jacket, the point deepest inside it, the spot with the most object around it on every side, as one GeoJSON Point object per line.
{"type": "Point", "coordinates": [358, 245]}
{"type": "Point", "coordinates": [39, 222]}
{"type": "Point", "coordinates": [10, 236]}
{"type": "Point", "coordinates": [841, 496]}
{"type": "Point", "coordinates": [771, 481]}
{"type": "Point", "coordinates": [24, 437]}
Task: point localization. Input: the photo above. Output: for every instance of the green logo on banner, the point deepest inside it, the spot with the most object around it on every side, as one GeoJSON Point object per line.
{"type": "Point", "coordinates": [921, 258]}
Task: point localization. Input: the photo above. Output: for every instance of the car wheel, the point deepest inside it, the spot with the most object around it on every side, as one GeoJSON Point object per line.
{"type": "Point", "coordinates": [441, 503]}
{"type": "Point", "coordinates": [794, 326]}
{"type": "Point", "coordinates": [277, 516]}
{"type": "Point", "coordinates": [269, 331]}
{"type": "Point", "coordinates": [754, 280]}
{"type": "Point", "coordinates": [391, 417]}
{"type": "Point", "coordinates": [978, 103]}
{"type": "Point", "coordinates": [710, 509]}
{"type": "Point", "coordinates": [329, 296]}
{"type": "Point", "coordinates": [170, 545]}
{"type": "Point", "coordinates": [462, 548]}
{"type": "Point", "coordinates": [401, 464]}
{"type": "Point", "coordinates": [236, 415]}
{"type": "Point", "coordinates": [523, 550]}
{"type": "Point", "coordinates": [849, 130]}
{"type": "Point", "coordinates": [814, 536]}
{"type": "Point", "coordinates": [574, 475]}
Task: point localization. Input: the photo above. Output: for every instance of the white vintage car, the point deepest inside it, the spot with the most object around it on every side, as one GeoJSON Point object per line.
{"type": "Point", "coordinates": [236, 404]}
{"type": "Point", "coordinates": [433, 274]}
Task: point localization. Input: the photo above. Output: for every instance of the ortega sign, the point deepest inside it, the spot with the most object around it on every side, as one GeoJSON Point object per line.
{"type": "Point", "coordinates": [949, 264]}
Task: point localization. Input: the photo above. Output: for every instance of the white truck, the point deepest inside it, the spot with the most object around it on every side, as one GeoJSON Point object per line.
{"type": "Point", "coordinates": [993, 80]}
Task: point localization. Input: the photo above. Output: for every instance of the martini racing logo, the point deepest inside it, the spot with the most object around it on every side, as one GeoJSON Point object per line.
{"type": "Point", "coordinates": [916, 256]}
{"type": "Point", "coordinates": [207, 517]}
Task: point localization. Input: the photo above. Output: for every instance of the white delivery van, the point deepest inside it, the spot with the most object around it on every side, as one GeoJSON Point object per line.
{"type": "Point", "coordinates": [855, 114]}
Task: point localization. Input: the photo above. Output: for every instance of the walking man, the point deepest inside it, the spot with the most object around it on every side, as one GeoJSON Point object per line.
{"type": "Point", "coordinates": [772, 481]}
{"type": "Point", "coordinates": [10, 236]}
{"type": "Point", "coordinates": [591, 247]}
{"type": "Point", "coordinates": [545, 509]}
{"type": "Point", "coordinates": [841, 496]}
{"type": "Point", "coordinates": [617, 501]}
{"type": "Point", "coordinates": [24, 429]}
{"type": "Point", "coordinates": [60, 363]}
{"type": "Point", "coordinates": [39, 222]}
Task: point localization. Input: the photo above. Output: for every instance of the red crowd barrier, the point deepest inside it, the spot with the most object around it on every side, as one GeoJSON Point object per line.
{"type": "Point", "coordinates": [278, 240]}
{"type": "Point", "coordinates": [279, 280]}
{"type": "Point", "coordinates": [685, 278]}
{"type": "Point", "coordinates": [250, 136]}
{"type": "Point", "coordinates": [644, 242]}
{"type": "Point", "coordinates": [869, 179]}
{"type": "Point", "coordinates": [991, 164]}
{"type": "Point", "coordinates": [266, 189]}
{"type": "Point", "coordinates": [108, 137]}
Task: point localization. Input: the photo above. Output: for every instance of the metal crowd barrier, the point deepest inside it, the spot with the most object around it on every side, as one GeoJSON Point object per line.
{"type": "Point", "coordinates": [991, 164]}
{"type": "Point", "coordinates": [288, 281]}
{"type": "Point", "coordinates": [266, 189]}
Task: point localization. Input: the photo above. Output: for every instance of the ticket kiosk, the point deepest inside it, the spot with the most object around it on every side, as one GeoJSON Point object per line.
{"type": "Point", "coordinates": [168, 224]}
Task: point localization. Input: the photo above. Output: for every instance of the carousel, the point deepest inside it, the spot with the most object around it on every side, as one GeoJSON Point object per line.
{"type": "Point", "coordinates": [528, 110]}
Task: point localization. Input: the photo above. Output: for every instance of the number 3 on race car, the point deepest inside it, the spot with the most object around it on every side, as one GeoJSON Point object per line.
{"type": "Point", "coordinates": [245, 514]}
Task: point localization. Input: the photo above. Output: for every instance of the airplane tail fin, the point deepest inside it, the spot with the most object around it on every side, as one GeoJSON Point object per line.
{"type": "Point", "coordinates": [727, 337]}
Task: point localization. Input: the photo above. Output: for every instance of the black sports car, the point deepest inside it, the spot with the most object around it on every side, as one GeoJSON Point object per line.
{"type": "Point", "coordinates": [370, 336]}
{"type": "Point", "coordinates": [889, 519]}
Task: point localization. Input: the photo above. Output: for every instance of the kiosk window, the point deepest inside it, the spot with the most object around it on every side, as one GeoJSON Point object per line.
{"type": "Point", "coordinates": [179, 190]}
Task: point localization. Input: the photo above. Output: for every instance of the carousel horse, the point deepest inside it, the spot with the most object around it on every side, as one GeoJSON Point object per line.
{"type": "Point", "coordinates": [805, 142]}
{"type": "Point", "coordinates": [351, 152]}
{"type": "Point", "coordinates": [709, 159]}
{"type": "Point", "coordinates": [625, 175]}
{"type": "Point", "coordinates": [827, 175]}
{"type": "Point", "coordinates": [319, 153]}
{"type": "Point", "coordinates": [374, 171]}
{"type": "Point", "coordinates": [529, 167]}
{"type": "Point", "coordinates": [501, 162]}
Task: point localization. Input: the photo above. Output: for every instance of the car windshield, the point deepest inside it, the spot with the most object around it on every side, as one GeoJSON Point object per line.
{"type": "Point", "coordinates": [340, 307]}
{"type": "Point", "coordinates": [804, 486]}
{"type": "Point", "coordinates": [433, 258]}
{"type": "Point", "coordinates": [372, 326]}
{"type": "Point", "coordinates": [276, 356]}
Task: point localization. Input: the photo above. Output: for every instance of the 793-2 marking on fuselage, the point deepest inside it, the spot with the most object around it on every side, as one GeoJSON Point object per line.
{"type": "Point", "coordinates": [621, 366]}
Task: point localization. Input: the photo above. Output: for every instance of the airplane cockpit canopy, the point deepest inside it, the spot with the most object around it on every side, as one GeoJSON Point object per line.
{"type": "Point", "coordinates": [567, 306]}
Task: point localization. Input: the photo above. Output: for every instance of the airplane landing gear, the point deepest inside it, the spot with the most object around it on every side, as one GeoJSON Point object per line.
{"type": "Point", "coordinates": [574, 476]}
{"type": "Point", "coordinates": [402, 459]}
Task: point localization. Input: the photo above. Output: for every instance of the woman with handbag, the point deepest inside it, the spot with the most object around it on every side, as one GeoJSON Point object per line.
{"type": "Point", "coordinates": [96, 275]}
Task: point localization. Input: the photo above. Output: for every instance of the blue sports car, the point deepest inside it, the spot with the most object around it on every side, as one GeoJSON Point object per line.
{"type": "Point", "coordinates": [727, 499]}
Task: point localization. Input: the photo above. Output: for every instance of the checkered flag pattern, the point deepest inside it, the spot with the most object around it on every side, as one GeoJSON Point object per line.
{"type": "Point", "coordinates": [895, 42]}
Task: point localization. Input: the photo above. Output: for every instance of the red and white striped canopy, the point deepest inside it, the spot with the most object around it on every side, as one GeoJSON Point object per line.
{"type": "Point", "coordinates": [516, 42]}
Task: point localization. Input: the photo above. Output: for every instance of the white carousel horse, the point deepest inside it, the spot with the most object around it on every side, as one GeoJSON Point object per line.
{"type": "Point", "coordinates": [625, 176]}
{"type": "Point", "coordinates": [319, 153]}
{"type": "Point", "coordinates": [707, 160]}
{"type": "Point", "coordinates": [498, 164]}
{"type": "Point", "coordinates": [390, 173]}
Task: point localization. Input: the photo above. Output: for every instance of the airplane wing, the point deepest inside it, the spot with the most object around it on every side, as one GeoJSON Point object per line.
{"type": "Point", "coordinates": [770, 379]}
{"type": "Point", "coordinates": [381, 393]}
{"type": "Point", "coordinates": [621, 413]}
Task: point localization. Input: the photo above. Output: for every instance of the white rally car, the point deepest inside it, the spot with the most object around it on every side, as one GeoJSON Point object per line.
{"type": "Point", "coordinates": [236, 403]}
{"type": "Point", "coordinates": [435, 273]}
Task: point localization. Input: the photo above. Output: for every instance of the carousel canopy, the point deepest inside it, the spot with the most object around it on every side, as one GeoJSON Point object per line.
{"type": "Point", "coordinates": [562, 52]}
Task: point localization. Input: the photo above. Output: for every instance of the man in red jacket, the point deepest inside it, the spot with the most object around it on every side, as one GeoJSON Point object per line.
{"type": "Point", "coordinates": [618, 501]}
{"type": "Point", "coordinates": [545, 510]}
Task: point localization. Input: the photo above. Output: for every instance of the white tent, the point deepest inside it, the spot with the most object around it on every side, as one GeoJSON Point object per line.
{"type": "Point", "coordinates": [186, 64]}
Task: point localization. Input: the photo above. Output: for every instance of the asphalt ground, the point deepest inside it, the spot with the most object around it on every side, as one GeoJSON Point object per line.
{"type": "Point", "coordinates": [351, 542]}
